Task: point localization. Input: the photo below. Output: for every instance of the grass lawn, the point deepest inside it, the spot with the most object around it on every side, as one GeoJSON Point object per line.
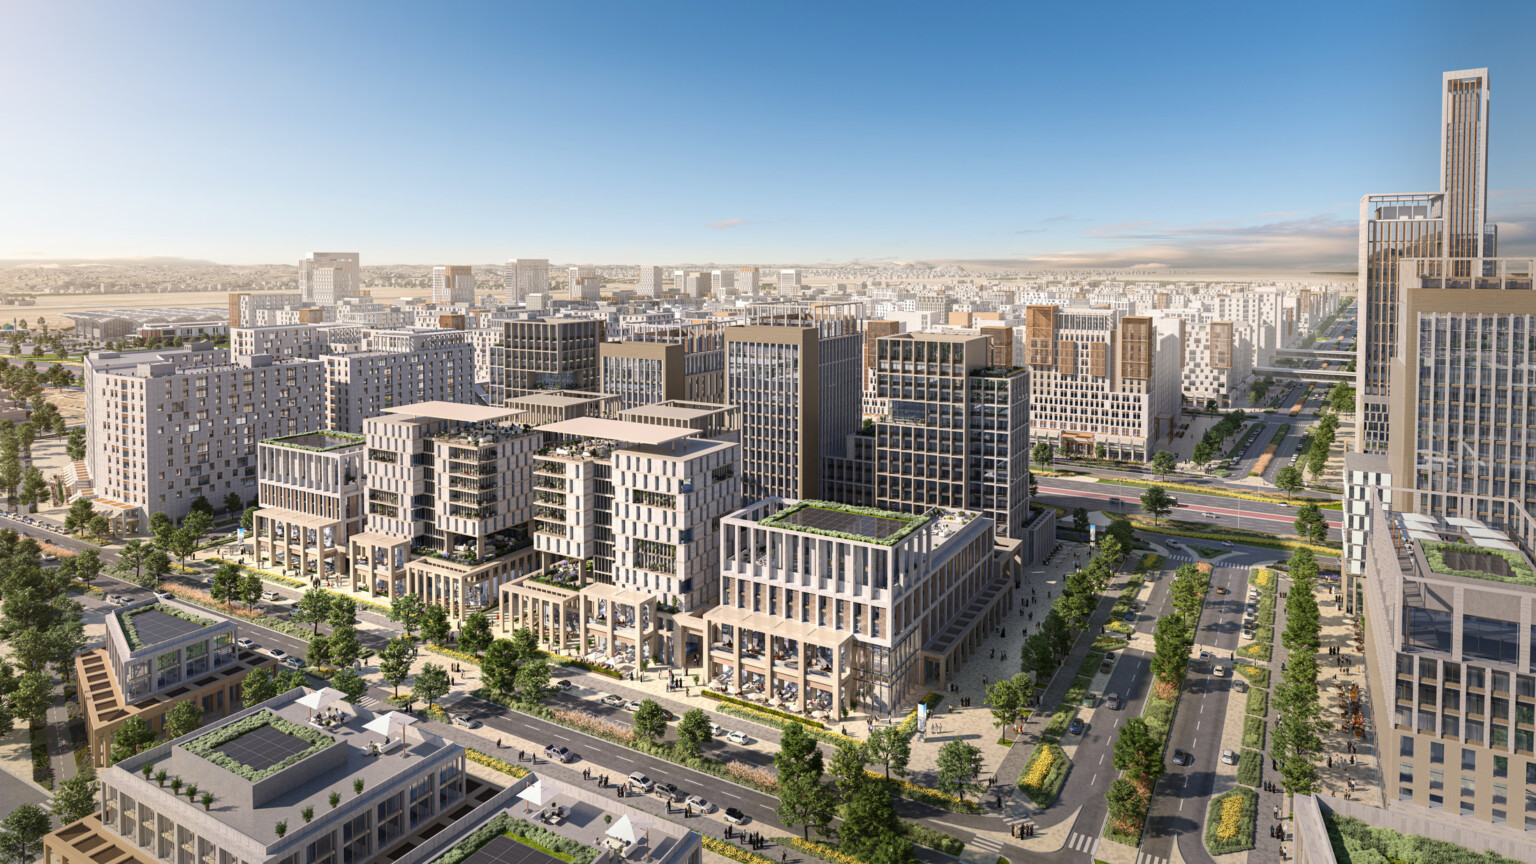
{"type": "Point", "coordinates": [1207, 551]}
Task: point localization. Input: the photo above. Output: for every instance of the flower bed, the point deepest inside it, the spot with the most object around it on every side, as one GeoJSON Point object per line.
{"type": "Point", "coordinates": [1258, 676]}
{"type": "Point", "coordinates": [816, 849]}
{"type": "Point", "coordinates": [1230, 822]}
{"type": "Point", "coordinates": [494, 764]}
{"type": "Point", "coordinates": [1045, 773]}
{"type": "Point", "coordinates": [592, 667]}
{"type": "Point", "coordinates": [1255, 651]}
{"type": "Point", "coordinates": [766, 711]}
{"type": "Point", "coordinates": [206, 745]}
{"type": "Point", "coordinates": [729, 850]}
{"type": "Point", "coordinates": [1250, 763]}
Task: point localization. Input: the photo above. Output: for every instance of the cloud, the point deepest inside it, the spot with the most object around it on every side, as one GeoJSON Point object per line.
{"type": "Point", "coordinates": [727, 223]}
{"type": "Point", "coordinates": [1031, 231]}
{"type": "Point", "coordinates": [1066, 217]}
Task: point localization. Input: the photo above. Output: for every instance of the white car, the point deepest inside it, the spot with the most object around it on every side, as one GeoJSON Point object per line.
{"type": "Point", "coordinates": [1220, 671]}
{"type": "Point", "coordinates": [612, 700]}
{"type": "Point", "coordinates": [715, 731]}
{"type": "Point", "coordinates": [277, 652]}
{"type": "Point", "coordinates": [1228, 757]}
{"type": "Point", "coordinates": [632, 706]}
{"type": "Point", "coordinates": [245, 643]}
{"type": "Point", "coordinates": [738, 738]}
{"type": "Point", "coordinates": [698, 803]}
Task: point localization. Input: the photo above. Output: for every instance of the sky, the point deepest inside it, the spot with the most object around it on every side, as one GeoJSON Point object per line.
{"type": "Point", "coordinates": [1170, 135]}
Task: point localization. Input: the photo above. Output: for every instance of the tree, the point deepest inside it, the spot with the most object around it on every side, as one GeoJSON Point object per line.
{"type": "Point", "coordinates": [533, 678]}
{"type": "Point", "coordinates": [431, 683]}
{"type": "Point", "coordinates": [1342, 398]}
{"type": "Point", "coordinates": [1170, 655]}
{"type": "Point", "coordinates": [1311, 524]}
{"type": "Point", "coordinates": [1163, 463]}
{"type": "Point", "coordinates": [498, 670]}
{"type": "Point", "coordinates": [318, 653]}
{"type": "Point", "coordinates": [406, 610]}
{"type": "Point", "coordinates": [161, 526]}
{"type": "Point", "coordinates": [342, 612]}
{"type": "Point", "coordinates": [99, 526]}
{"type": "Point", "coordinates": [847, 766]}
{"type": "Point", "coordinates": [1080, 519]}
{"type": "Point", "coordinates": [870, 830]}
{"type": "Point", "coordinates": [199, 522]}
{"type": "Point", "coordinates": [1042, 454]}
{"type": "Point", "coordinates": [313, 608]}
{"type": "Point", "coordinates": [1188, 593]}
{"type": "Point", "coordinates": [248, 519]}
{"type": "Point", "coordinates": [1100, 451]}
{"type": "Point", "coordinates": [651, 721]}
{"type": "Point", "coordinates": [33, 694]}
{"type": "Point", "coordinates": [1138, 753]}
{"type": "Point", "coordinates": [434, 624]}
{"type": "Point", "coordinates": [693, 733]}
{"type": "Point", "coordinates": [75, 798]}
{"type": "Point", "coordinates": [1203, 454]}
{"type": "Point", "coordinates": [183, 544]}
{"type": "Point", "coordinates": [803, 799]}
{"type": "Point", "coordinates": [959, 767]}
{"type": "Point", "coordinates": [156, 565]}
{"type": "Point", "coordinates": [78, 517]}
{"type": "Point", "coordinates": [1008, 697]}
{"type": "Point", "coordinates": [233, 502]}
{"type": "Point", "coordinates": [87, 565]}
{"type": "Point", "coordinates": [200, 505]}
{"type": "Point", "coordinates": [350, 683]}
{"type": "Point", "coordinates": [184, 718]}
{"type": "Point", "coordinates": [344, 646]}
{"type": "Point", "coordinates": [74, 446]}
{"type": "Point", "coordinates": [1156, 502]}
{"type": "Point", "coordinates": [1034, 485]}
{"type": "Point", "coordinates": [34, 489]}
{"type": "Point", "coordinates": [251, 589]}
{"type": "Point", "coordinates": [395, 662]}
{"type": "Point", "coordinates": [1123, 532]}
{"type": "Point", "coordinates": [475, 633]}
{"type": "Point", "coordinates": [889, 748]}
{"type": "Point", "coordinates": [1289, 480]}
{"type": "Point", "coordinates": [131, 737]}
{"type": "Point", "coordinates": [22, 831]}
{"type": "Point", "coordinates": [226, 586]}
{"type": "Point", "coordinates": [1125, 812]}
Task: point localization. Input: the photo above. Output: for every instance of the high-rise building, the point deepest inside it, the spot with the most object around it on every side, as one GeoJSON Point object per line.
{"type": "Point", "coordinates": [661, 362]}
{"type": "Point", "coordinates": [454, 283]}
{"type": "Point", "coordinates": [789, 283]}
{"type": "Point", "coordinates": [650, 280]}
{"type": "Point", "coordinates": [697, 284]}
{"type": "Point", "coordinates": [794, 371]}
{"type": "Point", "coordinates": [327, 277]}
{"type": "Point", "coordinates": [1218, 358]}
{"type": "Point", "coordinates": [747, 280]}
{"type": "Point", "coordinates": [874, 331]}
{"type": "Point", "coordinates": [546, 354]}
{"type": "Point", "coordinates": [724, 281]}
{"type": "Point", "coordinates": [396, 367]}
{"type": "Point", "coordinates": [583, 283]}
{"type": "Point", "coordinates": [524, 276]}
{"type": "Point", "coordinates": [1449, 223]}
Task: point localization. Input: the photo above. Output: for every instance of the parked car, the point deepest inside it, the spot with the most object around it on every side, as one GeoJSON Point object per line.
{"type": "Point", "coordinates": [563, 684]}
{"type": "Point", "coordinates": [738, 737]}
{"type": "Point", "coordinates": [1076, 727]}
{"type": "Point", "coordinates": [1239, 685]}
{"type": "Point", "coordinates": [293, 662]}
{"type": "Point", "coordinates": [246, 644]}
{"type": "Point", "coordinates": [1090, 700]}
{"type": "Point", "coordinates": [612, 700]}
{"type": "Point", "coordinates": [1108, 664]}
{"type": "Point", "coordinates": [667, 792]}
{"type": "Point", "coordinates": [559, 754]}
{"type": "Point", "coordinates": [641, 782]}
{"type": "Point", "coordinates": [734, 816]}
{"type": "Point", "coordinates": [698, 803]}
{"type": "Point", "coordinates": [1112, 701]}
{"type": "Point", "coordinates": [1228, 757]}
{"type": "Point", "coordinates": [632, 705]}
{"type": "Point", "coordinates": [466, 721]}
{"type": "Point", "coordinates": [1181, 757]}
{"type": "Point", "coordinates": [716, 731]}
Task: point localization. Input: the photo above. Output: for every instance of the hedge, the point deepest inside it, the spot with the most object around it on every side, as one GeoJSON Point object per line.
{"type": "Point", "coordinates": [1250, 763]}
{"type": "Point", "coordinates": [592, 667]}
{"type": "Point", "coordinates": [729, 850]}
{"type": "Point", "coordinates": [925, 836]}
{"type": "Point", "coordinates": [817, 849]}
{"type": "Point", "coordinates": [1256, 651]}
{"type": "Point", "coordinates": [1253, 732]}
{"type": "Point", "coordinates": [1240, 819]}
{"type": "Point", "coordinates": [1354, 840]}
{"type": "Point", "coordinates": [1434, 553]}
{"type": "Point", "coordinates": [494, 764]}
{"type": "Point", "coordinates": [1258, 703]}
{"type": "Point", "coordinates": [766, 711]}
{"type": "Point", "coordinates": [524, 831]}
{"type": "Point", "coordinates": [890, 540]}
{"type": "Point", "coordinates": [131, 633]}
{"type": "Point", "coordinates": [1045, 773]}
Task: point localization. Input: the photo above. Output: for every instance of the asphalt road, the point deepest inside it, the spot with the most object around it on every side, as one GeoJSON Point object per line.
{"type": "Point", "coordinates": [1228, 512]}
{"type": "Point", "coordinates": [1221, 617]}
{"type": "Point", "coordinates": [14, 793]}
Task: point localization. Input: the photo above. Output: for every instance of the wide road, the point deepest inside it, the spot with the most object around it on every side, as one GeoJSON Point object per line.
{"type": "Point", "coordinates": [1193, 506]}
{"type": "Point", "coordinates": [1180, 797]}
{"type": "Point", "coordinates": [1221, 617]}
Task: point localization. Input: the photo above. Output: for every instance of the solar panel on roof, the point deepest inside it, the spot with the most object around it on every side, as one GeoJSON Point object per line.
{"type": "Point", "coordinates": [263, 747]}
{"type": "Point", "coordinates": [505, 850]}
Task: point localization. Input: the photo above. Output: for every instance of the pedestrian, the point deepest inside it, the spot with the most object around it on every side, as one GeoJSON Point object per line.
{"type": "Point", "coordinates": [1351, 758]}
{"type": "Point", "coordinates": [1330, 761]}
{"type": "Point", "coordinates": [783, 856]}
{"type": "Point", "coordinates": [498, 743]}
{"type": "Point", "coordinates": [992, 655]}
{"type": "Point", "coordinates": [1005, 655]}
{"type": "Point", "coordinates": [687, 811]}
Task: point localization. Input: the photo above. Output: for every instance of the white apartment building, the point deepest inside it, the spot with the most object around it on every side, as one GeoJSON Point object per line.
{"type": "Point", "coordinates": [584, 283]}
{"type": "Point", "coordinates": [453, 284]}
{"type": "Point", "coordinates": [789, 283]}
{"type": "Point", "coordinates": [698, 284]}
{"type": "Point", "coordinates": [396, 367]}
{"type": "Point", "coordinates": [283, 342]}
{"type": "Point", "coordinates": [1098, 377]}
{"type": "Point", "coordinates": [747, 280]}
{"type": "Point", "coordinates": [482, 340]}
{"type": "Point", "coordinates": [525, 276]}
{"type": "Point", "coordinates": [164, 428]}
{"type": "Point", "coordinates": [724, 281]}
{"type": "Point", "coordinates": [650, 280]}
{"type": "Point", "coordinates": [244, 306]}
{"type": "Point", "coordinates": [311, 502]}
{"type": "Point", "coordinates": [1218, 359]}
{"type": "Point", "coordinates": [326, 277]}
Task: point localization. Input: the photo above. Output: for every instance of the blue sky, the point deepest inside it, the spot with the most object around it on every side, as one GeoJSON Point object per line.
{"type": "Point", "coordinates": [1179, 135]}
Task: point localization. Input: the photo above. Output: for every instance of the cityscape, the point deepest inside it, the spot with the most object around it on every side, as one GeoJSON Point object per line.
{"type": "Point", "coordinates": [776, 514]}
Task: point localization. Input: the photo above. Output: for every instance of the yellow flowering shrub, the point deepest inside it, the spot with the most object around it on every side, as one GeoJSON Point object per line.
{"type": "Point", "coordinates": [1231, 818]}
{"type": "Point", "coordinates": [494, 764]}
{"type": "Point", "coordinates": [1042, 767]}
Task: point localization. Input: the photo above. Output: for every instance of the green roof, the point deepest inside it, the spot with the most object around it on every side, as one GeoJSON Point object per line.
{"type": "Point", "coordinates": [1476, 562]}
{"type": "Point", "coordinates": [830, 519]}
{"type": "Point", "coordinates": [319, 440]}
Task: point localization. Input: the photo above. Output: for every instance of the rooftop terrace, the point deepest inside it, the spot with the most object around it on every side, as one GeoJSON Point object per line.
{"type": "Point", "coordinates": [319, 441]}
{"type": "Point", "coordinates": [866, 524]}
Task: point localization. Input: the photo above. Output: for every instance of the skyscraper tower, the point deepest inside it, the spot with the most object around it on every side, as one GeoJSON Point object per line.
{"type": "Point", "coordinates": [524, 276]}
{"type": "Point", "coordinates": [1445, 224]}
{"type": "Point", "coordinates": [453, 283]}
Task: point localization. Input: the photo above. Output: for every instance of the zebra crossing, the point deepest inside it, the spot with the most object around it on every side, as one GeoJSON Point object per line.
{"type": "Point", "coordinates": [985, 844]}
{"type": "Point", "coordinates": [369, 702]}
{"type": "Point", "coordinates": [1084, 843]}
{"type": "Point", "coordinates": [1144, 858]}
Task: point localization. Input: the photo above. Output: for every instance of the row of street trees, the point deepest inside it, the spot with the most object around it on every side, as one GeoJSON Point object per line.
{"type": "Point", "coordinates": [1209, 446]}
{"type": "Point", "coordinates": [1295, 745]}
{"type": "Point", "coordinates": [1043, 649]}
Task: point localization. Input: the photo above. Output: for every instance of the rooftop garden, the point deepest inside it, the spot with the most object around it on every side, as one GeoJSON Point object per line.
{"type": "Point", "coordinates": [1476, 562]}
{"type": "Point", "coordinates": [131, 633]}
{"type": "Point", "coordinates": [997, 371]}
{"type": "Point", "coordinates": [207, 746]}
{"type": "Point", "coordinates": [317, 441]}
{"type": "Point", "coordinates": [1355, 841]}
{"type": "Point", "coordinates": [782, 519]}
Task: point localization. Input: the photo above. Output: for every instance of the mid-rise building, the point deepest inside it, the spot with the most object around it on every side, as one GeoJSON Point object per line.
{"type": "Point", "coordinates": [658, 363]}
{"type": "Point", "coordinates": [794, 372]}
{"type": "Point", "coordinates": [1099, 378]}
{"type": "Point", "coordinates": [584, 283]}
{"type": "Point", "coordinates": [1218, 358]}
{"type": "Point", "coordinates": [311, 503]}
{"type": "Point", "coordinates": [546, 354]}
{"type": "Point", "coordinates": [525, 276]}
{"type": "Point", "coordinates": [166, 428]}
{"type": "Point", "coordinates": [789, 283]}
{"type": "Point", "coordinates": [874, 331]}
{"type": "Point", "coordinates": [396, 367]}
{"type": "Point", "coordinates": [283, 342]}
{"type": "Point", "coordinates": [453, 284]}
{"type": "Point", "coordinates": [650, 280]}
{"type": "Point", "coordinates": [698, 284]}
{"type": "Point", "coordinates": [747, 280]}
{"type": "Point", "coordinates": [244, 307]}
{"type": "Point", "coordinates": [724, 282]}
{"type": "Point", "coordinates": [159, 653]}
{"type": "Point", "coordinates": [448, 488]}
{"type": "Point", "coordinates": [327, 277]}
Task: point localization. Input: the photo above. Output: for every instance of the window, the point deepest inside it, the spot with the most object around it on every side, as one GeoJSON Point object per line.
{"type": "Point", "coordinates": [1466, 808]}
{"type": "Point", "coordinates": [1475, 677]}
{"type": "Point", "coordinates": [1405, 793]}
{"type": "Point", "coordinates": [1425, 629]}
{"type": "Point", "coordinates": [1405, 748]}
{"type": "Point", "coordinates": [1436, 753]}
{"type": "Point", "coordinates": [1468, 759]}
{"type": "Point", "coordinates": [1468, 786]}
{"type": "Point", "coordinates": [1436, 802]}
{"type": "Point", "coordinates": [1501, 766]}
{"type": "Point", "coordinates": [1500, 794]}
{"type": "Point", "coordinates": [1436, 779]}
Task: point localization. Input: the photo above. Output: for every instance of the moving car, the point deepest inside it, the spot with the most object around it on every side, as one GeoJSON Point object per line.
{"type": "Point", "coordinates": [738, 737]}
{"type": "Point", "coordinates": [1220, 671]}
{"type": "Point", "coordinates": [1209, 515]}
{"type": "Point", "coordinates": [698, 803]}
{"type": "Point", "coordinates": [1227, 543]}
{"type": "Point", "coordinates": [1181, 757]}
{"type": "Point", "coordinates": [734, 816]}
{"type": "Point", "coordinates": [641, 782]}
{"type": "Point", "coordinates": [271, 596]}
{"type": "Point", "coordinates": [466, 721]}
{"type": "Point", "coordinates": [293, 663]}
{"type": "Point", "coordinates": [562, 684]}
{"type": "Point", "coordinates": [1112, 701]}
{"type": "Point", "coordinates": [1076, 727]}
{"type": "Point", "coordinates": [1173, 543]}
{"type": "Point", "coordinates": [632, 706]}
{"type": "Point", "coordinates": [1228, 757]}
{"type": "Point", "coordinates": [277, 652]}
{"type": "Point", "coordinates": [163, 595]}
{"type": "Point", "coordinates": [1221, 589]}
{"type": "Point", "coordinates": [612, 700]}
{"type": "Point", "coordinates": [559, 754]}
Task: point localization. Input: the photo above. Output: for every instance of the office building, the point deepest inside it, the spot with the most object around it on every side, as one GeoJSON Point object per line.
{"type": "Point", "coordinates": [724, 282]}
{"type": "Point", "coordinates": [958, 430]}
{"type": "Point", "coordinates": [650, 281]}
{"type": "Point", "coordinates": [453, 284]}
{"type": "Point", "coordinates": [793, 370]}
{"type": "Point", "coordinates": [1448, 224]}
{"type": "Point", "coordinates": [1218, 360]}
{"type": "Point", "coordinates": [583, 283]}
{"type": "Point", "coordinates": [789, 283]}
{"type": "Point", "coordinates": [874, 331]}
{"type": "Point", "coordinates": [447, 487]}
{"type": "Point", "coordinates": [311, 503]}
{"type": "Point", "coordinates": [656, 363]}
{"type": "Point", "coordinates": [697, 285]}
{"type": "Point", "coordinates": [822, 604]}
{"type": "Point", "coordinates": [546, 354]}
{"type": "Point", "coordinates": [525, 276]}
{"type": "Point", "coordinates": [747, 280]}
{"type": "Point", "coordinates": [158, 653]}
{"type": "Point", "coordinates": [325, 278]}
{"type": "Point", "coordinates": [1099, 378]}
{"type": "Point", "coordinates": [302, 778]}
{"type": "Point", "coordinates": [396, 367]}
{"type": "Point", "coordinates": [165, 428]}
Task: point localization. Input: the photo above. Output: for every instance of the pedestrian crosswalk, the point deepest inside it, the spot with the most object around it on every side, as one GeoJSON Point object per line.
{"type": "Point", "coordinates": [1144, 858]}
{"type": "Point", "coordinates": [985, 844]}
{"type": "Point", "coordinates": [1083, 843]}
{"type": "Point", "coordinates": [369, 702]}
